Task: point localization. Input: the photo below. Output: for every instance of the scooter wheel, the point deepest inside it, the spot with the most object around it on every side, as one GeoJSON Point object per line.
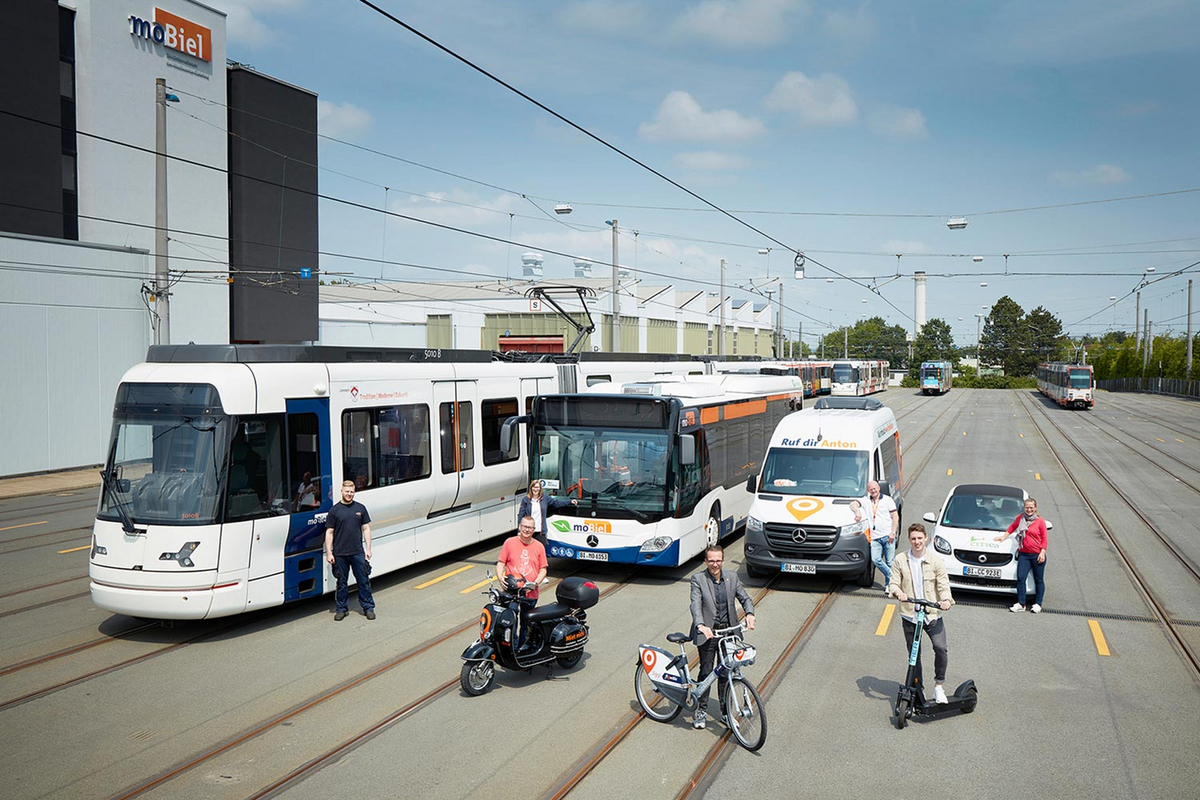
{"type": "Point", "coordinates": [971, 699]}
{"type": "Point", "coordinates": [901, 714]}
{"type": "Point", "coordinates": [569, 660]}
{"type": "Point", "coordinates": [476, 677]}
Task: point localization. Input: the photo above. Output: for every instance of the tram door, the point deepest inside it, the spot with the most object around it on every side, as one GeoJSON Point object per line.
{"type": "Point", "coordinates": [455, 417]}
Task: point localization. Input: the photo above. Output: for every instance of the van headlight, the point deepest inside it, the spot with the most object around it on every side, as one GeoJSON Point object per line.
{"type": "Point", "coordinates": [754, 525]}
{"type": "Point", "coordinates": [656, 545]}
{"type": "Point", "coordinates": [854, 528]}
{"type": "Point", "coordinates": [941, 545]}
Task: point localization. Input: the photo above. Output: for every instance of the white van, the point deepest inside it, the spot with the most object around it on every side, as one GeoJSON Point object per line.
{"type": "Point", "coordinates": [819, 461]}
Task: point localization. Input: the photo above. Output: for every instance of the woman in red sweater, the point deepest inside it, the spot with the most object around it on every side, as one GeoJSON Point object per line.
{"type": "Point", "coordinates": [1031, 554]}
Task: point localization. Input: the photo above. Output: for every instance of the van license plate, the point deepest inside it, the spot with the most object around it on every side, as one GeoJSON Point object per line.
{"type": "Point", "coordinates": [803, 569]}
{"type": "Point", "coordinates": [587, 555]}
{"type": "Point", "coordinates": [982, 572]}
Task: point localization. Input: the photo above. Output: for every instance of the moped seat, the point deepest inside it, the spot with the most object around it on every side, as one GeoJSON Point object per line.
{"type": "Point", "coordinates": [678, 638]}
{"type": "Point", "coordinates": [543, 613]}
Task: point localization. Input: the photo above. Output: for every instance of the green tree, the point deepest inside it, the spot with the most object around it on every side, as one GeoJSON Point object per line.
{"type": "Point", "coordinates": [1006, 338]}
{"type": "Point", "coordinates": [1045, 333]}
{"type": "Point", "coordinates": [870, 338]}
{"type": "Point", "coordinates": [935, 342]}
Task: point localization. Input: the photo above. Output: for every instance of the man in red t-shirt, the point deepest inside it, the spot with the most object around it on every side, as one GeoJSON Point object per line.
{"type": "Point", "coordinates": [524, 556]}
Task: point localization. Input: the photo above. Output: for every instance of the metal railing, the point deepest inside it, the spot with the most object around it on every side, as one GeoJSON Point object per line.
{"type": "Point", "coordinates": [1172, 386]}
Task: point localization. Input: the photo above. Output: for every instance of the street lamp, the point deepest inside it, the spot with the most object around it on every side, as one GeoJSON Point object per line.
{"type": "Point", "coordinates": [616, 292]}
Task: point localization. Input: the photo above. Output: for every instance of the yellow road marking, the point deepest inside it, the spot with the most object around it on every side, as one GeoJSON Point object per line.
{"type": "Point", "coordinates": [964, 433]}
{"type": "Point", "coordinates": [24, 525]}
{"type": "Point", "coordinates": [1021, 435]}
{"type": "Point", "coordinates": [1180, 441]}
{"type": "Point", "coordinates": [1098, 637]}
{"type": "Point", "coordinates": [479, 585]}
{"type": "Point", "coordinates": [950, 472]}
{"type": "Point", "coordinates": [1037, 476]}
{"type": "Point", "coordinates": [447, 575]}
{"type": "Point", "coordinates": [75, 549]}
{"type": "Point", "coordinates": [888, 610]}
{"type": "Point", "coordinates": [1164, 441]}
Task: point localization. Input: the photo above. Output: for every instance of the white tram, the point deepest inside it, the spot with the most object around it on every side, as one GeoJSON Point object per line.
{"type": "Point", "coordinates": [857, 378]}
{"type": "Point", "coordinates": [224, 460]}
{"type": "Point", "coordinates": [1069, 385]}
{"type": "Point", "coordinates": [659, 468]}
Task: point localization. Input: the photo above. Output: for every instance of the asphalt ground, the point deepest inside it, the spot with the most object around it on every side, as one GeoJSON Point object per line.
{"type": "Point", "coordinates": [99, 705]}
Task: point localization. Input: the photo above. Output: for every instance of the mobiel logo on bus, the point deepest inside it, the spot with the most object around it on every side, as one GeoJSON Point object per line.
{"type": "Point", "coordinates": [174, 32]}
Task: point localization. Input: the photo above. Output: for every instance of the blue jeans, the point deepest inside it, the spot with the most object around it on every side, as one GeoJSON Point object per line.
{"type": "Point", "coordinates": [342, 565]}
{"type": "Point", "coordinates": [882, 553]}
{"type": "Point", "coordinates": [1026, 562]}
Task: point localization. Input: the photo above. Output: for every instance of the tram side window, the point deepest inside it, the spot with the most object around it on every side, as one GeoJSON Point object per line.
{"type": "Point", "coordinates": [403, 444]}
{"type": "Point", "coordinates": [493, 413]}
{"type": "Point", "coordinates": [309, 486]}
{"type": "Point", "coordinates": [257, 476]}
{"type": "Point", "coordinates": [458, 453]}
{"type": "Point", "coordinates": [358, 451]}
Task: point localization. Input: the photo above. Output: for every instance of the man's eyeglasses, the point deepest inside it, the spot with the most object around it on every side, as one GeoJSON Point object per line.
{"type": "Point", "coordinates": [715, 560]}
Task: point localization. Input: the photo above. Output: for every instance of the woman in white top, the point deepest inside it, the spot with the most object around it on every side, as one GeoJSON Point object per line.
{"type": "Point", "coordinates": [537, 505]}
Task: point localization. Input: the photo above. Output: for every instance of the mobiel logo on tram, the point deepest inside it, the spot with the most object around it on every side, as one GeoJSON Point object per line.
{"type": "Point", "coordinates": [174, 32]}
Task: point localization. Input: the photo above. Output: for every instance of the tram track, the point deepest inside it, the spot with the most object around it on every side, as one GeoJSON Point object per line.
{"type": "Point", "coordinates": [1145, 457]}
{"type": "Point", "coordinates": [322, 760]}
{"type": "Point", "coordinates": [1172, 425]}
{"type": "Point", "coordinates": [1149, 595]}
{"type": "Point", "coordinates": [42, 535]}
{"type": "Point", "coordinates": [79, 648]}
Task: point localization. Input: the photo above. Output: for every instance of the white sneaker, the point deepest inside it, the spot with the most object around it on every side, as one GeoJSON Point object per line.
{"type": "Point", "coordinates": [699, 720]}
{"type": "Point", "coordinates": [1037, 609]}
{"type": "Point", "coordinates": [939, 694]}
{"type": "Point", "coordinates": [1016, 607]}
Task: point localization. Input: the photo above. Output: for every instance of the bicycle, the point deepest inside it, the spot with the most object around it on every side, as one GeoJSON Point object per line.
{"type": "Point", "coordinates": [662, 678]}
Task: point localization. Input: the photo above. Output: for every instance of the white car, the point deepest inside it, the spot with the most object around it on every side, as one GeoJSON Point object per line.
{"type": "Point", "coordinates": [964, 533]}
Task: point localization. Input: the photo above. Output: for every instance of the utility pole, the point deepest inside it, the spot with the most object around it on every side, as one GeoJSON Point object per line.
{"type": "Point", "coordinates": [616, 297]}
{"type": "Point", "coordinates": [721, 300]}
{"type": "Point", "coordinates": [1146, 341]}
{"type": "Point", "coordinates": [799, 351]}
{"type": "Point", "coordinates": [774, 337]}
{"type": "Point", "coordinates": [779, 336]}
{"type": "Point", "coordinates": [1137, 330]}
{"type": "Point", "coordinates": [162, 308]}
{"type": "Point", "coordinates": [846, 342]}
{"type": "Point", "coordinates": [1189, 347]}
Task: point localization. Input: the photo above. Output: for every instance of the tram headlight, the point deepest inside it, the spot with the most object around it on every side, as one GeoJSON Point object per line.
{"type": "Point", "coordinates": [754, 525]}
{"type": "Point", "coordinates": [941, 545]}
{"type": "Point", "coordinates": [854, 528]}
{"type": "Point", "coordinates": [656, 545]}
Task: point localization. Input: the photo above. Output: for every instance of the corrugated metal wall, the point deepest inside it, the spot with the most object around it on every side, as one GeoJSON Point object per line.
{"type": "Point", "coordinates": [662, 336]}
{"type": "Point", "coordinates": [439, 331]}
{"type": "Point", "coordinates": [695, 338]}
{"type": "Point", "coordinates": [533, 325]}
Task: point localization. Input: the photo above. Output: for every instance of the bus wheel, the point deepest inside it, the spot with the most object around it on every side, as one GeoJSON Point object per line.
{"type": "Point", "coordinates": [712, 528]}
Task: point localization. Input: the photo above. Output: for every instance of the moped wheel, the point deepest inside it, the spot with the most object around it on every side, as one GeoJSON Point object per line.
{"type": "Point", "coordinates": [745, 715]}
{"type": "Point", "coordinates": [901, 714]}
{"type": "Point", "coordinates": [570, 659]}
{"type": "Point", "coordinates": [657, 706]}
{"type": "Point", "coordinates": [476, 677]}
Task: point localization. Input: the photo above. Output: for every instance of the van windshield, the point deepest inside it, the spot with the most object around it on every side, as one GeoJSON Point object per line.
{"type": "Point", "coordinates": [816, 470]}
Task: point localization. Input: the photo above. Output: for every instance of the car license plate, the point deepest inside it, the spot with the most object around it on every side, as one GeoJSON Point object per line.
{"type": "Point", "coordinates": [588, 555]}
{"type": "Point", "coordinates": [982, 572]}
{"type": "Point", "coordinates": [803, 569]}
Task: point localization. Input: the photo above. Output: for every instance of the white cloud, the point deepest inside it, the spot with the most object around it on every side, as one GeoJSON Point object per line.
{"type": "Point", "coordinates": [826, 100]}
{"type": "Point", "coordinates": [243, 24]}
{"type": "Point", "coordinates": [709, 161]}
{"type": "Point", "coordinates": [458, 208]}
{"type": "Point", "coordinates": [616, 18]}
{"type": "Point", "coordinates": [345, 121]}
{"type": "Point", "coordinates": [855, 28]}
{"type": "Point", "coordinates": [1138, 109]}
{"type": "Point", "coordinates": [738, 23]}
{"type": "Point", "coordinates": [901, 246]}
{"type": "Point", "coordinates": [681, 117]}
{"type": "Point", "coordinates": [1101, 174]}
{"type": "Point", "coordinates": [898, 123]}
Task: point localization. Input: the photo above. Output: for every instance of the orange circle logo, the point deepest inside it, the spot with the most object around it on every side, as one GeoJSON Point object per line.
{"type": "Point", "coordinates": [485, 622]}
{"type": "Point", "coordinates": [739, 655]}
{"type": "Point", "coordinates": [649, 659]}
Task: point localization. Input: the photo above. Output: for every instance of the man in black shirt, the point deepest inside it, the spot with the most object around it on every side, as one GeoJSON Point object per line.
{"type": "Point", "coordinates": [348, 547]}
{"type": "Point", "coordinates": [713, 592]}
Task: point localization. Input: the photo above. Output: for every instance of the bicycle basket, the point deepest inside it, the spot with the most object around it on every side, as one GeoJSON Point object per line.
{"type": "Point", "coordinates": [736, 653]}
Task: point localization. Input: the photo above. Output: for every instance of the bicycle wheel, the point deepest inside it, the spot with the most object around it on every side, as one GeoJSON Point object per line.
{"type": "Point", "coordinates": [745, 715]}
{"type": "Point", "coordinates": [657, 706]}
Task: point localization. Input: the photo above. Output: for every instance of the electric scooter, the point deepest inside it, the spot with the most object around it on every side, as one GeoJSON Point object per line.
{"type": "Point", "coordinates": [910, 699]}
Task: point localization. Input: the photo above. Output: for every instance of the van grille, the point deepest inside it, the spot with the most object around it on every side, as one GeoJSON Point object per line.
{"type": "Point", "coordinates": [781, 538]}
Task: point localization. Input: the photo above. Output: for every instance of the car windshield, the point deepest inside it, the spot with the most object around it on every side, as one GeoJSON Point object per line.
{"type": "Point", "coordinates": [986, 512]}
{"type": "Point", "coordinates": [819, 471]}
{"type": "Point", "coordinates": [166, 452]}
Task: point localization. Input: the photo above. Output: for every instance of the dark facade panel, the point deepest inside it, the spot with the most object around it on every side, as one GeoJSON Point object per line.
{"type": "Point", "coordinates": [272, 210]}
{"type": "Point", "coordinates": [31, 192]}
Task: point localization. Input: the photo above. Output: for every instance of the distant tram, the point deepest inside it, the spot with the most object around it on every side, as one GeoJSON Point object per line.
{"type": "Point", "coordinates": [936, 377]}
{"type": "Point", "coordinates": [857, 378]}
{"type": "Point", "coordinates": [1069, 385]}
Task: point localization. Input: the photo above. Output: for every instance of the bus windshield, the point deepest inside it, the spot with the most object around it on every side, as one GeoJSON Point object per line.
{"type": "Point", "coordinates": [815, 470]}
{"type": "Point", "coordinates": [845, 373]}
{"type": "Point", "coordinates": [166, 455]}
{"type": "Point", "coordinates": [1080, 379]}
{"type": "Point", "coordinates": [611, 471]}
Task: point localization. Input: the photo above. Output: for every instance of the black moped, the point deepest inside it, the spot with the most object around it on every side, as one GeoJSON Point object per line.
{"type": "Point", "coordinates": [910, 699]}
{"type": "Point", "coordinates": [514, 635]}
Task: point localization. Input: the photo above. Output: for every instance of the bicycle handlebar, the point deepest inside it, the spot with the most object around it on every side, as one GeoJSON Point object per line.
{"type": "Point", "coordinates": [721, 632]}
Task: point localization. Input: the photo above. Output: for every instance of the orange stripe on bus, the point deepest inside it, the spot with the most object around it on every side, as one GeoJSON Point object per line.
{"type": "Point", "coordinates": [711, 414]}
{"type": "Point", "coordinates": [735, 410]}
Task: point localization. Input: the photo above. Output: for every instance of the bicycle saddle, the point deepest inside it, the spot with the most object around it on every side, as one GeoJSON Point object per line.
{"type": "Point", "coordinates": [678, 638]}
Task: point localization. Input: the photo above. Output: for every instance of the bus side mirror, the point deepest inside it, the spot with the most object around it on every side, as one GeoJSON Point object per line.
{"type": "Point", "coordinates": [885, 488]}
{"type": "Point", "coordinates": [687, 449]}
{"type": "Point", "coordinates": [752, 484]}
{"type": "Point", "coordinates": [506, 431]}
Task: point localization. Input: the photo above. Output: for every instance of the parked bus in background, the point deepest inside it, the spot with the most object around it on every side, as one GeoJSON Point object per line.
{"type": "Point", "coordinates": [936, 377]}
{"type": "Point", "coordinates": [1069, 385]}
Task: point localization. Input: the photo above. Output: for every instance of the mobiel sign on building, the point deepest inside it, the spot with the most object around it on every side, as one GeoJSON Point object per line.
{"type": "Point", "coordinates": [174, 32]}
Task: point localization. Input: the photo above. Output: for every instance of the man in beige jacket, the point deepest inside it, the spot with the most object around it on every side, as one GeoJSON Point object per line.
{"type": "Point", "coordinates": [934, 586]}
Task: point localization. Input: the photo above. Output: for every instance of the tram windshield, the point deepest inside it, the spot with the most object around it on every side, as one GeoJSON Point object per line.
{"type": "Point", "coordinates": [934, 372]}
{"type": "Point", "coordinates": [1080, 379]}
{"type": "Point", "coordinates": [845, 373]}
{"type": "Point", "coordinates": [828, 473]}
{"type": "Point", "coordinates": [166, 454]}
{"type": "Point", "coordinates": [612, 455]}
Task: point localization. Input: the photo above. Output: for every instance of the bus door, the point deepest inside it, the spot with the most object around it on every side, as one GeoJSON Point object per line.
{"type": "Point", "coordinates": [455, 412]}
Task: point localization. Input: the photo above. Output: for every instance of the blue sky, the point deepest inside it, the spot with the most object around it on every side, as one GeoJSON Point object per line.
{"type": "Point", "coordinates": [878, 119]}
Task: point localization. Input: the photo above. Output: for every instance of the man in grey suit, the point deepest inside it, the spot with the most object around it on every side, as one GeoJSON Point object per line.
{"type": "Point", "coordinates": [713, 591]}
